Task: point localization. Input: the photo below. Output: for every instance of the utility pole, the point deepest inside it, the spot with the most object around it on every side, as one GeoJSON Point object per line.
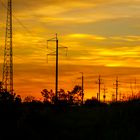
{"type": "Point", "coordinates": [99, 87]}
{"type": "Point", "coordinates": [56, 83]}
{"type": "Point", "coordinates": [99, 82]}
{"type": "Point", "coordinates": [82, 88]}
{"type": "Point", "coordinates": [131, 87]}
{"type": "Point", "coordinates": [56, 53]}
{"type": "Point", "coordinates": [7, 78]}
{"type": "Point", "coordinates": [0, 87]}
{"type": "Point", "coordinates": [113, 97]}
{"type": "Point", "coordinates": [135, 86]}
{"type": "Point", "coordinates": [105, 91]}
{"type": "Point", "coordinates": [56, 65]}
{"type": "Point", "coordinates": [120, 96]}
{"type": "Point", "coordinates": [97, 96]}
{"type": "Point", "coordinates": [116, 87]}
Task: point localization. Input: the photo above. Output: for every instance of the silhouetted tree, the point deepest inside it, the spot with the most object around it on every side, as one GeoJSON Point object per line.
{"type": "Point", "coordinates": [62, 95]}
{"type": "Point", "coordinates": [71, 97]}
{"type": "Point", "coordinates": [6, 97]}
{"type": "Point", "coordinates": [18, 99]}
{"type": "Point", "coordinates": [49, 96]}
{"type": "Point", "coordinates": [75, 96]}
{"type": "Point", "coordinates": [29, 99]}
{"type": "Point", "coordinates": [0, 86]}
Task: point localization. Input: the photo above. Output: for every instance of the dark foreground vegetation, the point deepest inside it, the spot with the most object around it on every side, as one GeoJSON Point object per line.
{"type": "Point", "coordinates": [37, 120]}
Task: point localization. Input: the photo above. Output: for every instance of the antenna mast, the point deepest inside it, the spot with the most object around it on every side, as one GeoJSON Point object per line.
{"type": "Point", "coordinates": [7, 78]}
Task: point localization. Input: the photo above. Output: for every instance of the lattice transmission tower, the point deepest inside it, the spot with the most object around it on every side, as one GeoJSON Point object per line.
{"type": "Point", "coordinates": [7, 78]}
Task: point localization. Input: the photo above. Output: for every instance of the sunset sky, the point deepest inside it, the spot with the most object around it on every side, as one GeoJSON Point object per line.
{"type": "Point", "coordinates": [102, 36]}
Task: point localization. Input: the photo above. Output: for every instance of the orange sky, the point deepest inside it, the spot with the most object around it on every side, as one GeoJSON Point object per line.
{"type": "Point", "coordinates": [103, 37]}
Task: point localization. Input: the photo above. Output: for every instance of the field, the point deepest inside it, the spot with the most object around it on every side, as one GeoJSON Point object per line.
{"type": "Point", "coordinates": [34, 121]}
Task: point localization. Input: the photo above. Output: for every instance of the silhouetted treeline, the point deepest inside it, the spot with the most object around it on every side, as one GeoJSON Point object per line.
{"type": "Point", "coordinates": [32, 119]}
{"type": "Point", "coordinates": [73, 97]}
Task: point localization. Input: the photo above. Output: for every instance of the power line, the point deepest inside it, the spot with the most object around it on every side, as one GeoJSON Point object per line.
{"type": "Point", "coordinates": [25, 28]}
{"type": "Point", "coordinates": [20, 23]}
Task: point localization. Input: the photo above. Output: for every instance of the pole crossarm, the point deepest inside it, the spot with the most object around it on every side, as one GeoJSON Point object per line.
{"type": "Point", "coordinates": [64, 47]}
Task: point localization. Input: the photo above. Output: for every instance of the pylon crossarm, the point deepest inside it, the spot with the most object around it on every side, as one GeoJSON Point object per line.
{"type": "Point", "coordinates": [52, 39]}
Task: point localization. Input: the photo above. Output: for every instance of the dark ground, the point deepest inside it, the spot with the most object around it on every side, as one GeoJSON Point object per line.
{"type": "Point", "coordinates": [36, 121]}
